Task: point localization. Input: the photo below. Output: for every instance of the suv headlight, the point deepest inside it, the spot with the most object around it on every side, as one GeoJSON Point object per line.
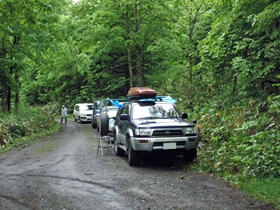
{"type": "Point", "coordinates": [189, 130]}
{"type": "Point", "coordinates": [143, 132]}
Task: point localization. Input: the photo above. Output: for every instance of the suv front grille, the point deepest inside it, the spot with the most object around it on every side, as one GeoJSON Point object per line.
{"type": "Point", "coordinates": [177, 132]}
{"type": "Point", "coordinates": [160, 144]}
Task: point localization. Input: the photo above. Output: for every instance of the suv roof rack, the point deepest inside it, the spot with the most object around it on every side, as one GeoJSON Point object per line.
{"type": "Point", "coordinates": [141, 92]}
{"type": "Point", "coordinates": [145, 94]}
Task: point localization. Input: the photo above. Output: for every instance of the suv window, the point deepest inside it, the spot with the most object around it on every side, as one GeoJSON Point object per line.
{"type": "Point", "coordinates": [125, 110]}
{"type": "Point", "coordinates": [154, 111]}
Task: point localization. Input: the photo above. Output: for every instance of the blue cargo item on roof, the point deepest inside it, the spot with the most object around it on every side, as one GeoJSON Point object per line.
{"type": "Point", "coordinates": [116, 103]}
{"type": "Point", "coordinates": [166, 98]}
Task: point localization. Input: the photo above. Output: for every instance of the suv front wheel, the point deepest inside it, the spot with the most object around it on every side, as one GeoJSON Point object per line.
{"type": "Point", "coordinates": [190, 155]}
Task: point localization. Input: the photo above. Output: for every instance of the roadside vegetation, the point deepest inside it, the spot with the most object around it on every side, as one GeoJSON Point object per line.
{"type": "Point", "coordinates": [219, 59]}
{"type": "Point", "coordinates": [27, 125]}
{"type": "Point", "coordinates": [241, 144]}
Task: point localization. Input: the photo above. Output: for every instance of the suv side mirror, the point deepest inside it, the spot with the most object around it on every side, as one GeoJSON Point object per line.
{"type": "Point", "coordinates": [184, 116]}
{"type": "Point", "coordinates": [124, 117]}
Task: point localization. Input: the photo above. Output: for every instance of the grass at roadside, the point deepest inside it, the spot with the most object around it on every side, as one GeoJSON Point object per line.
{"type": "Point", "coordinates": [27, 125]}
{"type": "Point", "coordinates": [267, 190]}
{"type": "Point", "coordinates": [27, 140]}
{"type": "Point", "coordinates": [264, 189]}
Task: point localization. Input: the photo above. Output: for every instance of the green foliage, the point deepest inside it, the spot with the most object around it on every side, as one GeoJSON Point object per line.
{"type": "Point", "coordinates": [239, 55]}
{"type": "Point", "coordinates": [241, 140]}
{"type": "Point", "coordinates": [29, 121]}
{"type": "Point", "coordinates": [26, 30]}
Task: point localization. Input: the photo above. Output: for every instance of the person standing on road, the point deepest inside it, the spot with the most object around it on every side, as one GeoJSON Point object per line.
{"type": "Point", "coordinates": [63, 114]}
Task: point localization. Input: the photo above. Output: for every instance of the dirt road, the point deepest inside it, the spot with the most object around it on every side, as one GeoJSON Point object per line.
{"type": "Point", "coordinates": [63, 172]}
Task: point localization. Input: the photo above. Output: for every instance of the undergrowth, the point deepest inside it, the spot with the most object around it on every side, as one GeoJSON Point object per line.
{"type": "Point", "coordinates": [242, 144]}
{"type": "Point", "coordinates": [26, 125]}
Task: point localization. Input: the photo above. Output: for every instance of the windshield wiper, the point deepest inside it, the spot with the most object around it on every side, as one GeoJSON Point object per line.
{"type": "Point", "coordinates": [145, 118]}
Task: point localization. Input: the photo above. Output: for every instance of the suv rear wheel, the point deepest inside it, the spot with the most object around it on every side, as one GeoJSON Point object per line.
{"type": "Point", "coordinates": [118, 151]}
{"type": "Point", "coordinates": [133, 158]}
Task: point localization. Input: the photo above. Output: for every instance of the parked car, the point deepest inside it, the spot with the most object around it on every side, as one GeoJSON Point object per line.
{"type": "Point", "coordinates": [98, 104]}
{"type": "Point", "coordinates": [146, 125]}
{"type": "Point", "coordinates": [103, 119]}
{"type": "Point", "coordinates": [83, 112]}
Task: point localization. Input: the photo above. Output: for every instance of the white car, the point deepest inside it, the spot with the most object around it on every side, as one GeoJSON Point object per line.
{"type": "Point", "coordinates": [83, 112]}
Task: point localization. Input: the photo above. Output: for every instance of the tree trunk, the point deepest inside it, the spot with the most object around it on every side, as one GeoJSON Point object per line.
{"type": "Point", "coordinates": [4, 98]}
{"type": "Point", "coordinates": [3, 77]}
{"type": "Point", "coordinates": [129, 67]}
{"type": "Point", "coordinates": [128, 50]}
{"type": "Point", "coordinates": [16, 69]}
{"type": "Point", "coordinates": [139, 69]}
{"type": "Point", "coordinates": [8, 101]}
{"type": "Point", "coordinates": [17, 91]}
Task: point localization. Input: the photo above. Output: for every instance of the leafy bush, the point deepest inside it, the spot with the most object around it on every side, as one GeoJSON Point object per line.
{"type": "Point", "coordinates": [242, 140]}
{"type": "Point", "coordinates": [28, 121]}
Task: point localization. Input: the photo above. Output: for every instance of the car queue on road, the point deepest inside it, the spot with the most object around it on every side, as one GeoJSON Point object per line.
{"type": "Point", "coordinates": [142, 123]}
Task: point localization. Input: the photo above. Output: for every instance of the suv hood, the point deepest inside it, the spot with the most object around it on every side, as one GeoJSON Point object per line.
{"type": "Point", "coordinates": [156, 122]}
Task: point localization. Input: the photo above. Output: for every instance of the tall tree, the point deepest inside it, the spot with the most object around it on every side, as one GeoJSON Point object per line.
{"type": "Point", "coordinates": [178, 52]}
{"type": "Point", "coordinates": [241, 50]}
{"type": "Point", "coordinates": [121, 32]}
{"type": "Point", "coordinates": [23, 26]}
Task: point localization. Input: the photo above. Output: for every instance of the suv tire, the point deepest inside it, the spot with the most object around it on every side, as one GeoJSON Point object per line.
{"type": "Point", "coordinates": [133, 156]}
{"type": "Point", "coordinates": [190, 155]}
{"type": "Point", "coordinates": [104, 120]}
{"type": "Point", "coordinates": [93, 125]}
{"type": "Point", "coordinates": [118, 151]}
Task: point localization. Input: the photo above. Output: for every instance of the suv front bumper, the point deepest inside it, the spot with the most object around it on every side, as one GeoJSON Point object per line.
{"type": "Point", "coordinates": [171, 143]}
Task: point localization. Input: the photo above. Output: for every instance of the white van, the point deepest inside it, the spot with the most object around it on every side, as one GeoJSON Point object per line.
{"type": "Point", "coordinates": [83, 112]}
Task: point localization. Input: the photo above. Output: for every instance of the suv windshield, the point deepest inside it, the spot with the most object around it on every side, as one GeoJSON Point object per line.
{"type": "Point", "coordinates": [154, 111]}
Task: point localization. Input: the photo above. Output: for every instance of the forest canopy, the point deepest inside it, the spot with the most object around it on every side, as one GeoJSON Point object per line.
{"type": "Point", "coordinates": [196, 50]}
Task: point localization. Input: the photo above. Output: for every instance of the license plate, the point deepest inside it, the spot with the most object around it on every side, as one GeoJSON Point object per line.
{"type": "Point", "coordinates": [169, 145]}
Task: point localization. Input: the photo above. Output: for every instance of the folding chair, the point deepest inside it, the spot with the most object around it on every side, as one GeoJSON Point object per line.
{"type": "Point", "coordinates": [103, 143]}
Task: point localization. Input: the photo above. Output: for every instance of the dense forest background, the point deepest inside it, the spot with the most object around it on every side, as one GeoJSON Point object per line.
{"type": "Point", "coordinates": [224, 53]}
{"type": "Point", "coordinates": [219, 59]}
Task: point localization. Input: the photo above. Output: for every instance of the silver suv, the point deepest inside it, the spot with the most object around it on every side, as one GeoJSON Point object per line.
{"type": "Point", "coordinates": [143, 126]}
